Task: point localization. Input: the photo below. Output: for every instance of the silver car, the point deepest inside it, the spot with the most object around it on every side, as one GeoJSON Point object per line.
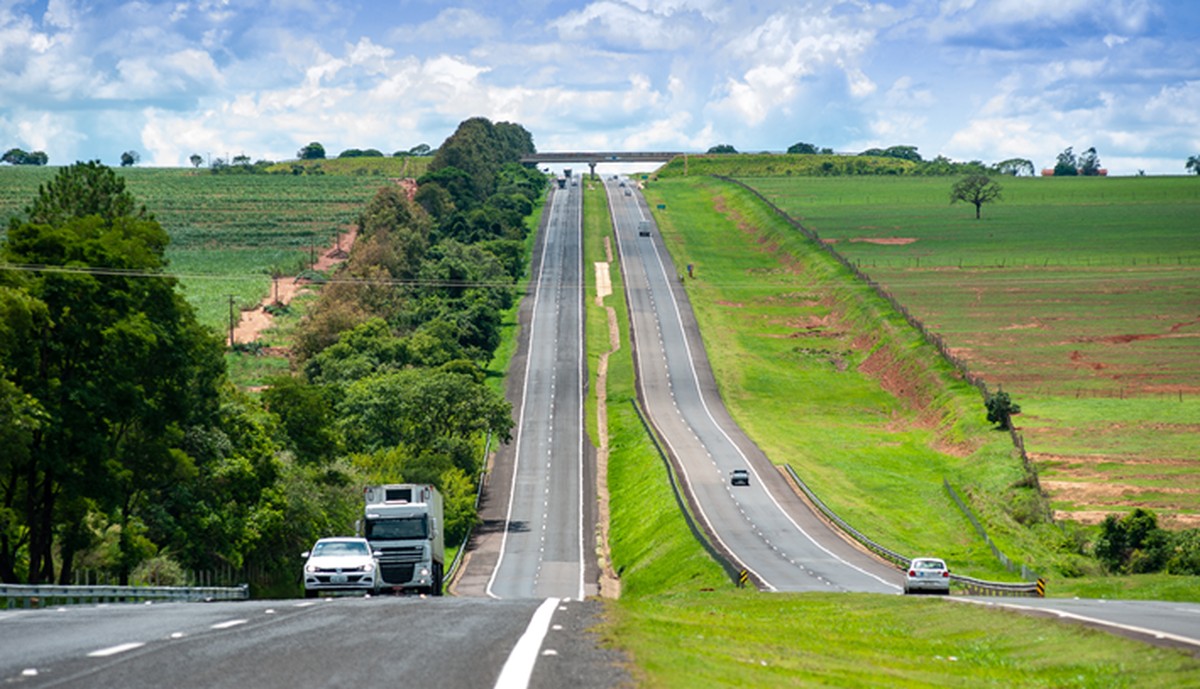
{"type": "Point", "coordinates": [927, 575]}
{"type": "Point", "coordinates": [340, 564]}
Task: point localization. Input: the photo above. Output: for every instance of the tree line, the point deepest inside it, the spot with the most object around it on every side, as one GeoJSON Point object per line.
{"type": "Point", "coordinates": [127, 448]}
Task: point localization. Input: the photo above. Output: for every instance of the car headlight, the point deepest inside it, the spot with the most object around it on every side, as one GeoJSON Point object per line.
{"type": "Point", "coordinates": [310, 568]}
{"type": "Point", "coordinates": [369, 567]}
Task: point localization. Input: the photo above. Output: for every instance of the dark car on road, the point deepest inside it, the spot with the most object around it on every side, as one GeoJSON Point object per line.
{"type": "Point", "coordinates": [739, 477]}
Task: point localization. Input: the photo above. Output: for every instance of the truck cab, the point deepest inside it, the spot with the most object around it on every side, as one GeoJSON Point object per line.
{"type": "Point", "coordinates": [403, 523]}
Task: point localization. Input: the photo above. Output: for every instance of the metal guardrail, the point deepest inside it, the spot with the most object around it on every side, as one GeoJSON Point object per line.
{"type": "Point", "coordinates": [462, 549]}
{"type": "Point", "coordinates": [971, 584]}
{"type": "Point", "coordinates": [38, 595]}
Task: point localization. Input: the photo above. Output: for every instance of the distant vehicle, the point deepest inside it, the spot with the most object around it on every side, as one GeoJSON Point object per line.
{"type": "Point", "coordinates": [644, 228]}
{"type": "Point", "coordinates": [739, 477]}
{"type": "Point", "coordinates": [628, 193]}
{"type": "Point", "coordinates": [562, 182]}
{"type": "Point", "coordinates": [340, 564]}
{"type": "Point", "coordinates": [403, 523]}
{"type": "Point", "coordinates": [927, 574]}
{"type": "Point", "coordinates": [621, 184]}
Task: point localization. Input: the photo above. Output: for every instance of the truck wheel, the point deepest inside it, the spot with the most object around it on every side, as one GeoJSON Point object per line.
{"type": "Point", "coordinates": [437, 580]}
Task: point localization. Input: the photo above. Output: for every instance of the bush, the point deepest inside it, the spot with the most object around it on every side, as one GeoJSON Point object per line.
{"type": "Point", "coordinates": [160, 570]}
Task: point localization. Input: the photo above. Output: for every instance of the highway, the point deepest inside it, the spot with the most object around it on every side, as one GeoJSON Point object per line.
{"type": "Point", "coordinates": [763, 527]}
{"type": "Point", "coordinates": [349, 641]}
{"type": "Point", "coordinates": [538, 544]}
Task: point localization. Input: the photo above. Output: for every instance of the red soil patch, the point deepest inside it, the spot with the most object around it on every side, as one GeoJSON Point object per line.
{"type": "Point", "coordinates": [256, 320]}
{"type": "Point", "coordinates": [886, 241]}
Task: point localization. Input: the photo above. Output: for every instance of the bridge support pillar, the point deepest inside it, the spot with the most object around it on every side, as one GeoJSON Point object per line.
{"type": "Point", "coordinates": [592, 169]}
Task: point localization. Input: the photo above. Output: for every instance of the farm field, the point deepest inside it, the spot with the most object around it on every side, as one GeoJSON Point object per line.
{"type": "Point", "coordinates": [228, 232]}
{"type": "Point", "coordinates": [1081, 297]}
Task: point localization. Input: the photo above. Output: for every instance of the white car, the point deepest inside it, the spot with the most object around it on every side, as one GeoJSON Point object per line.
{"type": "Point", "coordinates": [927, 574]}
{"type": "Point", "coordinates": [340, 564]}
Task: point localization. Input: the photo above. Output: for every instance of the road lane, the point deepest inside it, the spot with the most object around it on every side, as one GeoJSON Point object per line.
{"type": "Point", "coordinates": [764, 526]}
{"type": "Point", "coordinates": [542, 549]}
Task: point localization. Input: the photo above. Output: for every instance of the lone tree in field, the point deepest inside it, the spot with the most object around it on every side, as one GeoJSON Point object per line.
{"type": "Point", "coordinates": [1001, 409]}
{"type": "Point", "coordinates": [976, 189]}
{"type": "Point", "coordinates": [1193, 164]}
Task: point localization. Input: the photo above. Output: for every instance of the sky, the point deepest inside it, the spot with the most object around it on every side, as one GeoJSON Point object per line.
{"type": "Point", "coordinates": [981, 80]}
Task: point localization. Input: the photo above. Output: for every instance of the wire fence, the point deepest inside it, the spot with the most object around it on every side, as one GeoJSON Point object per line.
{"type": "Point", "coordinates": [932, 338]}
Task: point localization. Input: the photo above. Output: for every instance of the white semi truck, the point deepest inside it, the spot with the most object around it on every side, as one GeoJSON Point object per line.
{"type": "Point", "coordinates": [403, 522]}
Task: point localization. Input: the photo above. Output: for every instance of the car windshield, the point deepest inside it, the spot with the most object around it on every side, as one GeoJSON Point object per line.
{"type": "Point", "coordinates": [405, 527]}
{"type": "Point", "coordinates": [338, 548]}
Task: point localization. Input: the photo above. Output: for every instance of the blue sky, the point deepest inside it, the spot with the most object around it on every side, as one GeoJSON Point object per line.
{"type": "Point", "coordinates": [969, 79]}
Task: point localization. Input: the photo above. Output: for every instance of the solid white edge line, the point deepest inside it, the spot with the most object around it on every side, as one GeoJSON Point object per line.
{"type": "Point", "coordinates": [113, 650]}
{"type": "Point", "coordinates": [519, 667]}
{"type": "Point", "coordinates": [1084, 618]}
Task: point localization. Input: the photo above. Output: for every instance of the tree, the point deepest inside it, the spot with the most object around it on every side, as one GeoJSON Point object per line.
{"type": "Point", "coordinates": [808, 149]}
{"type": "Point", "coordinates": [196, 159]}
{"type": "Point", "coordinates": [122, 369]}
{"type": "Point", "coordinates": [313, 151]}
{"type": "Point", "coordinates": [1089, 163]}
{"type": "Point", "coordinates": [1001, 409]}
{"type": "Point", "coordinates": [1066, 165]}
{"type": "Point", "coordinates": [722, 148]}
{"type": "Point", "coordinates": [977, 190]}
{"type": "Point", "coordinates": [1015, 167]}
{"type": "Point", "coordinates": [1193, 164]}
{"type": "Point", "coordinates": [130, 158]}
{"type": "Point", "coordinates": [15, 156]}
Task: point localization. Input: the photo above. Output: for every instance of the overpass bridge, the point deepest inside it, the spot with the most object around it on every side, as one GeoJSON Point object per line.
{"type": "Point", "coordinates": [593, 158]}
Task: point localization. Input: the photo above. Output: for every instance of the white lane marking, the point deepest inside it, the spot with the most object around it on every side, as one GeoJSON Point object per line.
{"type": "Point", "coordinates": [519, 667]}
{"type": "Point", "coordinates": [113, 650]}
{"type": "Point", "coordinates": [227, 625]}
{"type": "Point", "coordinates": [1158, 634]}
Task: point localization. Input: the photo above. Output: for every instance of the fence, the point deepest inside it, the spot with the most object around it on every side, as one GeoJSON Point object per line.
{"type": "Point", "coordinates": [973, 585]}
{"type": "Point", "coordinates": [1005, 560]}
{"type": "Point", "coordinates": [932, 338]}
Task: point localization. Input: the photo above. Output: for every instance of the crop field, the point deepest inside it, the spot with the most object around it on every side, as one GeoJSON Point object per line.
{"type": "Point", "coordinates": [228, 232]}
{"type": "Point", "coordinates": [1081, 297]}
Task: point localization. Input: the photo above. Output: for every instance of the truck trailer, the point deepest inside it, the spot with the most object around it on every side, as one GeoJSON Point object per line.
{"type": "Point", "coordinates": [404, 525]}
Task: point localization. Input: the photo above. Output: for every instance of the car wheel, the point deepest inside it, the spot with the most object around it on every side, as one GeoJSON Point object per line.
{"type": "Point", "coordinates": [309, 593]}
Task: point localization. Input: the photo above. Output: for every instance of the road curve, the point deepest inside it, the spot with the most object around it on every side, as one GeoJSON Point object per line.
{"type": "Point", "coordinates": [763, 527]}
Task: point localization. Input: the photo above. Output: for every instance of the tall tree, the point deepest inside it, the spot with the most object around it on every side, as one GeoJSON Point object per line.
{"type": "Point", "coordinates": [1089, 163]}
{"type": "Point", "coordinates": [1193, 164]}
{"type": "Point", "coordinates": [1066, 164]}
{"type": "Point", "coordinates": [121, 364]}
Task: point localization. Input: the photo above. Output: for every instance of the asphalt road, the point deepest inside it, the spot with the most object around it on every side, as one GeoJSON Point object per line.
{"type": "Point", "coordinates": [342, 642]}
{"type": "Point", "coordinates": [536, 541]}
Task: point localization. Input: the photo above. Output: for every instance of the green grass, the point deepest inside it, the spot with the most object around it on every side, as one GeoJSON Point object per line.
{"type": "Point", "coordinates": [787, 333]}
{"type": "Point", "coordinates": [859, 640]}
{"type": "Point", "coordinates": [683, 624]}
{"type": "Point", "coordinates": [227, 231]}
{"type": "Point", "coordinates": [412, 166]}
{"type": "Point", "coordinates": [1077, 295]}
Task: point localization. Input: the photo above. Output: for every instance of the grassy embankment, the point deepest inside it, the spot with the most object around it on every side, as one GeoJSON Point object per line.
{"type": "Point", "coordinates": [1078, 295]}
{"type": "Point", "coordinates": [684, 624]}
